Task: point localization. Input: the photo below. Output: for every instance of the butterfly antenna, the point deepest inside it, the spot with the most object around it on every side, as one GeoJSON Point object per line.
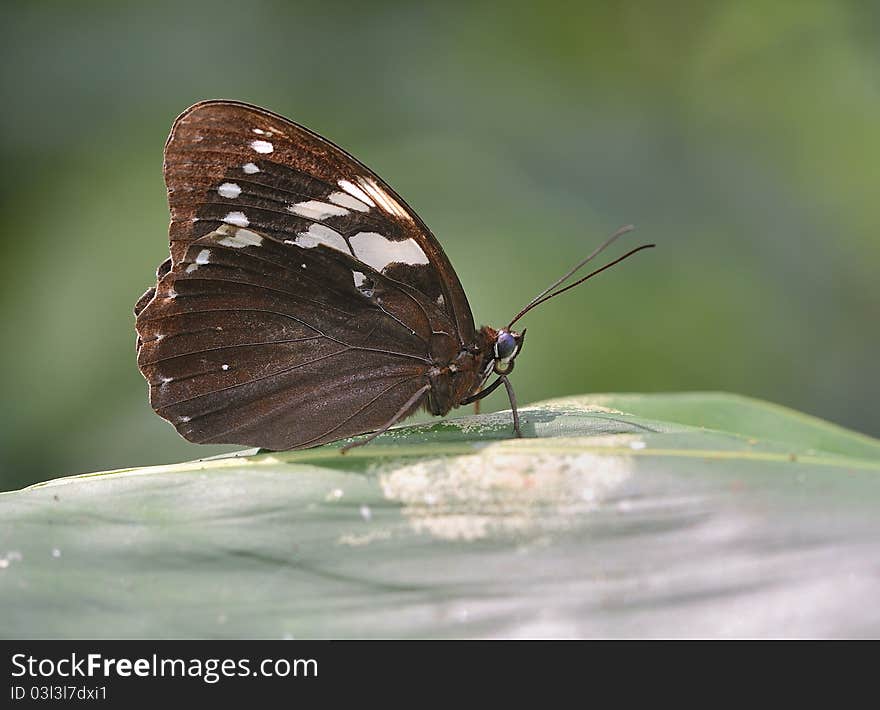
{"type": "Point", "coordinates": [549, 293]}
{"type": "Point", "coordinates": [598, 250]}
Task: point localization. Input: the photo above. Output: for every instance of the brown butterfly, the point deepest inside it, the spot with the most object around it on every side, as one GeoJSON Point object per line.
{"type": "Point", "coordinates": [304, 301]}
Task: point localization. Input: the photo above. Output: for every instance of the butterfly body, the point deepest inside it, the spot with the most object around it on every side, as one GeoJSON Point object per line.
{"type": "Point", "coordinates": [453, 382]}
{"type": "Point", "coordinates": [303, 301]}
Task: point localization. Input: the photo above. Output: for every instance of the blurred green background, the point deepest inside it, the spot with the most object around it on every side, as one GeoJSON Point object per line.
{"type": "Point", "coordinates": [742, 137]}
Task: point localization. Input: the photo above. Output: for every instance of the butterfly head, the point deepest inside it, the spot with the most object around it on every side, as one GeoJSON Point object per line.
{"type": "Point", "coordinates": [507, 346]}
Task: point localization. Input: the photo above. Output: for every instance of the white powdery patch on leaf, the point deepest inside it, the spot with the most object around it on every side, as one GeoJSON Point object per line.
{"type": "Point", "coordinates": [501, 491]}
{"type": "Point", "coordinates": [484, 423]}
{"type": "Point", "coordinates": [587, 403]}
{"type": "Point", "coordinates": [355, 540]}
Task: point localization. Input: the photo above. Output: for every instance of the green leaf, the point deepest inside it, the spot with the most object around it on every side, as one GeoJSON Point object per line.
{"type": "Point", "coordinates": [618, 515]}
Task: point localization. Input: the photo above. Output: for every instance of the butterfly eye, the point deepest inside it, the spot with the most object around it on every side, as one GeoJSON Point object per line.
{"type": "Point", "coordinates": [505, 346]}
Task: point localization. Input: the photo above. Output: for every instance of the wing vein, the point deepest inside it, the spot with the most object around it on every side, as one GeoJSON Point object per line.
{"type": "Point", "coordinates": [246, 382]}
{"type": "Point", "coordinates": [409, 356]}
{"type": "Point", "coordinates": [224, 347]}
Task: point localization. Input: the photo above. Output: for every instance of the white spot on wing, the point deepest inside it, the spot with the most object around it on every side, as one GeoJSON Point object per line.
{"type": "Point", "coordinates": [229, 189]}
{"type": "Point", "coordinates": [440, 301]}
{"type": "Point", "coordinates": [262, 146]}
{"type": "Point", "coordinates": [203, 257]}
{"type": "Point", "coordinates": [250, 168]}
{"type": "Point", "coordinates": [384, 200]}
{"type": "Point", "coordinates": [313, 209]}
{"type": "Point", "coordinates": [346, 200]}
{"type": "Point", "coordinates": [224, 366]}
{"type": "Point", "coordinates": [241, 238]}
{"type": "Point", "coordinates": [319, 234]}
{"type": "Point", "coordinates": [356, 192]}
{"type": "Point", "coordinates": [259, 131]}
{"type": "Point", "coordinates": [236, 218]}
{"type": "Point", "coordinates": [363, 284]}
{"type": "Point", "coordinates": [378, 251]}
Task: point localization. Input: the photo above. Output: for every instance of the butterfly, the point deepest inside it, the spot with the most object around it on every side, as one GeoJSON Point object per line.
{"type": "Point", "coordinates": [303, 300]}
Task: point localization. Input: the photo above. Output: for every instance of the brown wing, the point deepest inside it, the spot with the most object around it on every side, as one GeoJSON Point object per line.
{"type": "Point", "coordinates": [303, 301]}
{"type": "Point", "coordinates": [283, 176]}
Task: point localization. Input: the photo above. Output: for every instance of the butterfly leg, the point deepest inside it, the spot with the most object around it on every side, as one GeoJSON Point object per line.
{"type": "Point", "coordinates": [480, 394]}
{"type": "Point", "coordinates": [512, 397]}
{"type": "Point", "coordinates": [391, 422]}
{"type": "Point", "coordinates": [502, 379]}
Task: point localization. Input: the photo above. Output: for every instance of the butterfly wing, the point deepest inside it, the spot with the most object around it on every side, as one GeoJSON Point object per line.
{"type": "Point", "coordinates": [284, 174]}
{"type": "Point", "coordinates": [303, 301]}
